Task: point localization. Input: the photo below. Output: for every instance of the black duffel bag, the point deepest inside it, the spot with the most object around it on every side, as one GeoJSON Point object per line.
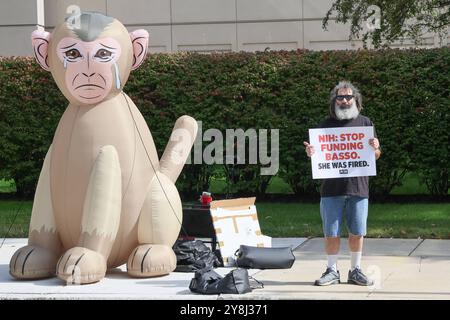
{"type": "Point", "coordinates": [264, 258]}
{"type": "Point", "coordinates": [193, 255]}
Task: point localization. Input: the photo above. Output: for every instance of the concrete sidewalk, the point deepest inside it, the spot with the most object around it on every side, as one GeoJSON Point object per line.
{"type": "Point", "coordinates": [401, 268]}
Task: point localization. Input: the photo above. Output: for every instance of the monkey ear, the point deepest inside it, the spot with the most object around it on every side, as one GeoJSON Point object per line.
{"type": "Point", "coordinates": [139, 40]}
{"type": "Point", "coordinates": [40, 39]}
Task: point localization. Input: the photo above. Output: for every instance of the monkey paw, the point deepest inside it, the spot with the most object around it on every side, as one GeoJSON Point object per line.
{"type": "Point", "coordinates": [151, 260]}
{"type": "Point", "coordinates": [81, 266]}
{"type": "Point", "coordinates": [33, 262]}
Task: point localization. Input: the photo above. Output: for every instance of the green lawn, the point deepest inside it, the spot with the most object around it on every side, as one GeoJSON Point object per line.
{"type": "Point", "coordinates": [430, 221]}
{"type": "Point", "coordinates": [410, 220]}
{"type": "Point", "coordinates": [424, 220]}
{"type": "Point", "coordinates": [8, 210]}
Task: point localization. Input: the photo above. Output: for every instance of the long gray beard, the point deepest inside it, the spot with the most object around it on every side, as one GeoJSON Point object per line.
{"type": "Point", "coordinates": [346, 114]}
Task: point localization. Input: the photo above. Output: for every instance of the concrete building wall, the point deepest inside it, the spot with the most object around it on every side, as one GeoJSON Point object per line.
{"type": "Point", "coordinates": [193, 25]}
{"type": "Point", "coordinates": [18, 18]}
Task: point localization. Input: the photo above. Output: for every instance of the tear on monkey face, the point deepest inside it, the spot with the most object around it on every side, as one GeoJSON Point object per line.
{"type": "Point", "coordinates": [90, 67]}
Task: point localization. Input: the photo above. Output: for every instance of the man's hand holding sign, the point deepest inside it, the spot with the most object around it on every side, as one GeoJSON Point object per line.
{"type": "Point", "coordinates": [342, 152]}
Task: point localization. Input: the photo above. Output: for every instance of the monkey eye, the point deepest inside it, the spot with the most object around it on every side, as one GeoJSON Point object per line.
{"type": "Point", "coordinates": [103, 54]}
{"type": "Point", "coordinates": [73, 54]}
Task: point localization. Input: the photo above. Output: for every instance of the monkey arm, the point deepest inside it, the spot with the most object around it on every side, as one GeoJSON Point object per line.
{"type": "Point", "coordinates": [179, 147]}
{"type": "Point", "coordinates": [42, 230]}
{"type": "Point", "coordinates": [87, 262]}
{"type": "Point", "coordinates": [102, 206]}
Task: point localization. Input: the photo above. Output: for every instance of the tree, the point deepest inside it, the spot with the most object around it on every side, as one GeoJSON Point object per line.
{"type": "Point", "coordinates": [384, 21]}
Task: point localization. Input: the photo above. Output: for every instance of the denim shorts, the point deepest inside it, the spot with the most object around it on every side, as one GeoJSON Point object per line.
{"type": "Point", "coordinates": [332, 212]}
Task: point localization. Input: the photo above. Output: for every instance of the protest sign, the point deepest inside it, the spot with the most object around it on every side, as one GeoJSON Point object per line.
{"type": "Point", "coordinates": [342, 152]}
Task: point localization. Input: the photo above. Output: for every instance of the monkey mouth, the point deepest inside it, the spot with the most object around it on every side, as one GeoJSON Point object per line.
{"type": "Point", "coordinates": [90, 97]}
{"type": "Point", "coordinates": [90, 91]}
{"type": "Point", "coordinates": [89, 87]}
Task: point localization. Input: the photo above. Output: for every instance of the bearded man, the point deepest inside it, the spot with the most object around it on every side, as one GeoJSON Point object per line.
{"type": "Point", "coordinates": [345, 194]}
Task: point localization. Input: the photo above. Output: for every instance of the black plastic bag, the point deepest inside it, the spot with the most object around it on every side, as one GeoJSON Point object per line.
{"type": "Point", "coordinates": [193, 255]}
{"type": "Point", "coordinates": [264, 258]}
{"type": "Point", "coordinates": [207, 281]}
{"type": "Point", "coordinates": [235, 282]}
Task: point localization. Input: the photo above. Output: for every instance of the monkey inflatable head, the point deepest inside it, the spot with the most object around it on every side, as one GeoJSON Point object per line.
{"type": "Point", "coordinates": [90, 56]}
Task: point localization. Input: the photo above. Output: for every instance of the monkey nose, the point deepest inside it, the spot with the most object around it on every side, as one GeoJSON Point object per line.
{"type": "Point", "coordinates": [88, 76]}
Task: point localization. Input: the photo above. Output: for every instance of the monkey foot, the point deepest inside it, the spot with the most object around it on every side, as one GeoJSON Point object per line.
{"type": "Point", "coordinates": [81, 266]}
{"type": "Point", "coordinates": [33, 262]}
{"type": "Point", "coordinates": [151, 260]}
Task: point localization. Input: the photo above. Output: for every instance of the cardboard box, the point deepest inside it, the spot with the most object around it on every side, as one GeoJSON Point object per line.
{"type": "Point", "coordinates": [236, 223]}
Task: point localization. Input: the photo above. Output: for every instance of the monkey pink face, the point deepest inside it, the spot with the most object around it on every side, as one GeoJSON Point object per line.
{"type": "Point", "coordinates": [91, 67]}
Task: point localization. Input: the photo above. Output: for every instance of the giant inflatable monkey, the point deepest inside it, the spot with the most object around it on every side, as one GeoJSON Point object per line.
{"type": "Point", "coordinates": [103, 197]}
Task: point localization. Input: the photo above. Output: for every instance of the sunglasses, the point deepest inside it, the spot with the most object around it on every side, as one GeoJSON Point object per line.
{"type": "Point", "coordinates": [346, 97]}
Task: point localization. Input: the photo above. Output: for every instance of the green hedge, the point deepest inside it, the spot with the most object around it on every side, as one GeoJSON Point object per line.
{"type": "Point", "coordinates": [405, 92]}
